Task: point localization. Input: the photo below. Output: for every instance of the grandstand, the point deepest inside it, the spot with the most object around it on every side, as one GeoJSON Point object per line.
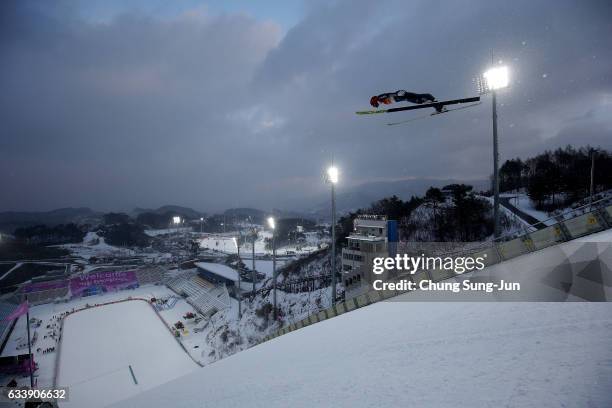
{"type": "Point", "coordinates": [45, 296]}
{"type": "Point", "coordinates": [148, 275]}
{"type": "Point", "coordinates": [210, 302]}
{"type": "Point", "coordinates": [176, 283]}
{"type": "Point", "coordinates": [199, 293]}
{"type": "Point", "coordinates": [6, 326]}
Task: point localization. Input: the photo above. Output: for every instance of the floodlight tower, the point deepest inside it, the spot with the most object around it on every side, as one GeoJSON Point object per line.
{"type": "Point", "coordinates": [495, 78]}
{"type": "Point", "coordinates": [237, 243]}
{"type": "Point", "coordinates": [332, 177]}
{"type": "Point", "coordinates": [272, 225]}
{"type": "Point", "coordinates": [253, 274]}
{"type": "Point", "coordinates": [176, 220]}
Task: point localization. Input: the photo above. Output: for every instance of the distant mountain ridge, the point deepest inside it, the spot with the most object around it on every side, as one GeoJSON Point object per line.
{"type": "Point", "coordinates": [10, 220]}
{"type": "Point", "coordinates": [315, 207]}
{"type": "Point", "coordinates": [363, 195]}
{"type": "Point", "coordinates": [176, 209]}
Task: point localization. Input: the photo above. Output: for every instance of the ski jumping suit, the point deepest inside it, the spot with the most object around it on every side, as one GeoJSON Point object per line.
{"type": "Point", "coordinates": [388, 98]}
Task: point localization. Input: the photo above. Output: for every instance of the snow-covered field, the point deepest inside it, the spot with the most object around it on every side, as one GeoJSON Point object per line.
{"type": "Point", "coordinates": [523, 203]}
{"type": "Point", "coordinates": [225, 243]}
{"type": "Point", "coordinates": [94, 245]}
{"type": "Point", "coordinates": [100, 344]}
{"type": "Point", "coordinates": [164, 231]}
{"type": "Point", "coordinates": [264, 266]}
{"type": "Point", "coordinates": [46, 312]}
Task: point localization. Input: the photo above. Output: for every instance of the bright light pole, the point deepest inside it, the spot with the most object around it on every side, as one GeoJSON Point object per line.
{"type": "Point", "coordinates": [592, 185]}
{"type": "Point", "coordinates": [176, 220]}
{"type": "Point", "coordinates": [237, 243]}
{"type": "Point", "coordinates": [332, 177]}
{"type": "Point", "coordinates": [495, 78]}
{"type": "Point", "coordinates": [272, 225]}
{"type": "Point", "coordinates": [201, 221]}
{"type": "Point", "coordinates": [254, 233]}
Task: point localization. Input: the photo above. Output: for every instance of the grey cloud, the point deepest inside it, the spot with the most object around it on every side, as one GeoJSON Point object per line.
{"type": "Point", "coordinates": [214, 111]}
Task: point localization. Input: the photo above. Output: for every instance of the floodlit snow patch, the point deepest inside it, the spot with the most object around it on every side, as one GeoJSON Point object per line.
{"type": "Point", "coordinates": [100, 344]}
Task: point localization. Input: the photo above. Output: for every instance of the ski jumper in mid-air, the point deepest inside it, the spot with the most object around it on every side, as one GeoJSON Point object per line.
{"type": "Point", "coordinates": [420, 101]}
{"type": "Point", "coordinates": [399, 96]}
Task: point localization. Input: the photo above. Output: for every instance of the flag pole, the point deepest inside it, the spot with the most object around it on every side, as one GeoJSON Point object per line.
{"type": "Point", "coordinates": [31, 362]}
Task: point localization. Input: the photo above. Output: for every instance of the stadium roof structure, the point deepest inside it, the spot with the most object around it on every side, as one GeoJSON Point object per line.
{"type": "Point", "coordinates": [219, 269]}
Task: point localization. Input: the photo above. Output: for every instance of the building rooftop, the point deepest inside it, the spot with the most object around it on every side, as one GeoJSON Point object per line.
{"type": "Point", "coordinates": [219, 269]}
{"type": "Point", "coordinates": [372, 238]}
{"type": "Point", "coordinates": [372, 217]}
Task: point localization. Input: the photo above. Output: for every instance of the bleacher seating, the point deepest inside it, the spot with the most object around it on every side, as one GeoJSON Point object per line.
{"type": "Point", "coordinates": [210, 302]}
{"type": "Point", "coordinates": [202, 282]}
{"type": "Point", "coordinates": [190, 288]}
{"type": "Point", "coordinates": [6, 308]}
{"type": "Point", "coordinates": [201, 294]}
{"type": "Point", "coordinates": [149, 275]}
{"type": "Point", "coordinates": [176, 282]}
{"type": "Point", "coordinates": [43, 296]}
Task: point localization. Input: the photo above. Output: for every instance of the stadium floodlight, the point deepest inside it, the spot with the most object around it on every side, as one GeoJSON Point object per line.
{"type": "Point", "coordinates": [496, 78]}
{"type": "Point", "coordinates": [332, 174]}
{"type": "Point", "coordinates": [332, 177]}
{"type": "Point", "coordinates": [239, 294]}
{"type": "Point", "coordinates": [176, 220]}
{"type": "Point", "coordinates": [272, 225]}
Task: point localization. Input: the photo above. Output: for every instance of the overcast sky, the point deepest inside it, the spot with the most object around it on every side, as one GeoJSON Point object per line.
{"type": "Point", "coordinates": [117, 104]}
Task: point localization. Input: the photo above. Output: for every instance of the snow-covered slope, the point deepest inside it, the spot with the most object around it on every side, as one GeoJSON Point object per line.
{"type": "Point", "coordinates": [115, 351]}
{"type": "Point", "coordinates": [95, 245]}
{"type": "Point", "coordinates": [426, 354]}
{"type": "Point", "coordinates": [417, 354]}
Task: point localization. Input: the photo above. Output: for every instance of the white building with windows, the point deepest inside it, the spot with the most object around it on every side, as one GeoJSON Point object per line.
{"type": "Point", "coordinates": [367, 241]}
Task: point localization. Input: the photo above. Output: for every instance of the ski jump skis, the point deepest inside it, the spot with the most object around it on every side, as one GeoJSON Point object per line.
{"type": "Point", "coordinates": [438, 106]}
{"type": "Point", "coordinates": [401, 122]}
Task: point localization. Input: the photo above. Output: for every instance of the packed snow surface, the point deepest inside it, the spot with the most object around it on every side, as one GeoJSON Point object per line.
{"type": "Point", "coordinates": [423, 354]}
{"type": "Point", "coordinates": [417, 354]}
{"type": "Point", "coordinates": [100, 344]}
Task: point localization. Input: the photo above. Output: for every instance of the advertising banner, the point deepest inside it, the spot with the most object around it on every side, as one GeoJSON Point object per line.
{"type": "Point", "coordinates": [40, 286]}
{"type": "Point", "coordinates": [102, 282]}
